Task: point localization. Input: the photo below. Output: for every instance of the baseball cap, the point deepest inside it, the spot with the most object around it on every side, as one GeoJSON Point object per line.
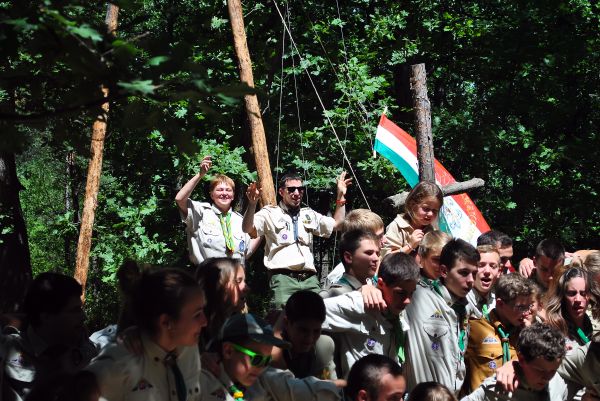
{"type": "Point", "coordinates": [247, 326]}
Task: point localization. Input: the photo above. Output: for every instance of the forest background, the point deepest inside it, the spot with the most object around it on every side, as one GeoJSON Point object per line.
{"type": "Point", "coordinates": [513, 89]}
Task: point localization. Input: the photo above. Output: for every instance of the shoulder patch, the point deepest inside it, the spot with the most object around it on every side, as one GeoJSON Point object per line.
{"type": "Point", "coordinates": [490, 340]}
{"type": "Point", "coordinates": [143, 384]}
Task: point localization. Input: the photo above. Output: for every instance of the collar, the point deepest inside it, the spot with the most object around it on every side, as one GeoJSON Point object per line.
{"type": "Point", "coordinates": [403, 222]}
{"type": "Point", "coordinates": [217, 211]}
{"type": "Point", "coordinates": [155, 352]}
{"type": "Point", "coordinates": [287, 210]}
{"type": "Point", "coordinates": [351, 281]}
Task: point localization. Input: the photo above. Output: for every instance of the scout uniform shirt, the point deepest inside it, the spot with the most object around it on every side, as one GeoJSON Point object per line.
{"type": "Point", "coordinates": [25, 357]}
{"type": "Point", "coordinates": [362, 332]}
{"type": "Point", "coordinates": [555, 390]}
{"type": "Point", "coordinates": [272, 384]}
{"type": "Point", "coordinates": [581, 367]}
{"type": "Point", "coordinates": [485, 351]}
{"type": "Point", "coordinates": [481, 306]}
{"type": "Point", "coordinates": [205, 233]}
{"type": "Point", "coordinates": [434, 352]}
{"type": "Point", "coordinates": [288, 244]}
{"type": "Point", "coordinates": [345, 284]}
{"type": "Point", "coordinates": [151, 376]}
{"type": "Point", "coordinates": [399, 230]}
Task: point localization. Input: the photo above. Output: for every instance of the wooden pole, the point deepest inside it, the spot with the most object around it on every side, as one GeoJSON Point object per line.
{"type": "Point", "coordinates": [259, 142]}
{"type": "Point", "coordinates": [92, 185]}
{"type": "Point", "coordinates": [418, 86]}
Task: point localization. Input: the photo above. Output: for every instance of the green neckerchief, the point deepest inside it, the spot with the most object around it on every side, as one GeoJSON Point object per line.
{"type": "Point", "coordinates": [461, 312]}
{"type": "Point", "coordinates": [505, 344]}
{"type": "Point", "coordinates": [226, 228]}
{"type": "Point", "coordinates": [399, 336]}
{"type": "Point", "coordinates": [435, 284]}
{"type": "Point", "coordinates": [486, 312]}
{"type": "Point", "coordinates": [582, 335]}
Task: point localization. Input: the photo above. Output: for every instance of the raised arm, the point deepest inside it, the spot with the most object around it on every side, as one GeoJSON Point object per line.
{"type": "Point", "coordinates": [340, 204]}
{"type": "Point", "coordinates": [253, 194]}
{"type": "Point", "coordinates": [184, 193]}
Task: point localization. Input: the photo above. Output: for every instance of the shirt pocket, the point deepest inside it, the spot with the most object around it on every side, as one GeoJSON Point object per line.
{"type": "Point", "coordinates": [438, 337]}
{"type": "Point", "coordinates": [489, 356]}
{"type": "Point", "coordinates": [284, 232]}
{"type": "Point", "coordinates": [211, 228]}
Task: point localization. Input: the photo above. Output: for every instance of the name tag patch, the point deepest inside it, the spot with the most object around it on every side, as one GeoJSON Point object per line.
{"type": "Point", "coordinates": [490, 340]}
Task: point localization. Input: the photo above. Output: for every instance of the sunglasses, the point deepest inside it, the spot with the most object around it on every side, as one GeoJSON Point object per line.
{"type": "Point", "coordinates": [256, 360]}
{"type": "Point", "coordinates": [291, 190]}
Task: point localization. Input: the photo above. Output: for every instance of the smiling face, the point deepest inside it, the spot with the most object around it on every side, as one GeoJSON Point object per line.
{"type": "Point", "coordinates": [459, 280]}
{"type": "Point", "coordinates": [222, 196]}
{"type": "Point", "coordinates": [292, 199]}
{"type": "Point", "coordinates": [576, 298]}
{"type": "Point", "coordinates": [363, 263]}
{"type": "Point", "coordinates": [488, 272]}
{"type": "Point", "coordinates": [426, 212]}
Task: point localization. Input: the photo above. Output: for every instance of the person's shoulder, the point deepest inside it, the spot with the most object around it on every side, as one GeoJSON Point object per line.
{"type": "Point", "coordinates": [270, 210]}
{"type": "Point", "coordinates": [401, 220]}
{"type": "Point", "coordinates": [352, 299]}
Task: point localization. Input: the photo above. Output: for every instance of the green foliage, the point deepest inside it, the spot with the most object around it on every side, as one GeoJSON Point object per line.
{"type": "Point", "coordinates": [513, 89]}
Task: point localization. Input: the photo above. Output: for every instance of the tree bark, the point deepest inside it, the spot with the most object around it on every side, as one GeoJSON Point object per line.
{"type": "Point", "coordinates": [94, 172]}
{"type": "Point", "coordinates": [15, 261]}
{"type": "Point", "coordinates": [259, 142]}
{"type": "Point", "coordinates": [398, 200]}
{"type": "Point", "coordinates": [422, 107]}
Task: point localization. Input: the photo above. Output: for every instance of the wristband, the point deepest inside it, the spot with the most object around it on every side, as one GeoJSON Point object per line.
{"type": "Point", "coordinates": [340, 202]}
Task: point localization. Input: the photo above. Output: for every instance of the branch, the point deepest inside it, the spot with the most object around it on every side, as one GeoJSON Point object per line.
{"type": "Point", "coordinates": [398, 200]}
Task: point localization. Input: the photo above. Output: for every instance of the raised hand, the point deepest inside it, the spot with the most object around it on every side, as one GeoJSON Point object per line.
{"type": "Point", "coordinates": [253, 192]}
{"type": "Point", "coordinates": [205, 164]}
{"type": "Point", "coordinates": [343, 183]}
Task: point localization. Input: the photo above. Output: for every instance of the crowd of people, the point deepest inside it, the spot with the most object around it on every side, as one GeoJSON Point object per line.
{"type": "Point", "coordinates": [409, 313]}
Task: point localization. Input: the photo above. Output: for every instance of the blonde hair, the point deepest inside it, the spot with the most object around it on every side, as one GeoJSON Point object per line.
{"type": "Point", "coordinates": [433, 241]}
{"type": "Point", "coordinates": [362, 219]}
{"type": "Point", "coordinates": [418, 194]}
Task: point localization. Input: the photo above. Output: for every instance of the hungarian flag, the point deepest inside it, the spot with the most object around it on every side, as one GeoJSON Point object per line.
{"type": "Point", "coordinates": [459, 215]}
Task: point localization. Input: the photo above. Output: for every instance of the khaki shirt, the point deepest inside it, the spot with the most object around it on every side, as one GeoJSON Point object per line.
{"type": "Point", "coordinates": [398, 232]}
{"type": "Point", "coordinates": [282, 251]}
{"type": "Point", "coordinates": [25, 357]}
{"type": "Point", "coordinates": [361, 332]}
{"type": "Point", "coordinates": [205, 234]}
{"type": "Point", "coordinates": [556, 390]}
{"type": "Point", "coordinates": [581, 367]}
{"type": "Point", "coordinates": [433, 353]}
{"type": "Point", "coordinates": [123, 376]}
{"type": "Point", "coordinates": [484, 352]}
{"type": "Point", "coordinates": [272, 385]}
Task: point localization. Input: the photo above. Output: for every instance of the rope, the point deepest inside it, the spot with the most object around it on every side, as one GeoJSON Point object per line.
{"type": "Point", "coordinates": [280, 107]}
{"type": "Point", "coordinates": [321, 103]}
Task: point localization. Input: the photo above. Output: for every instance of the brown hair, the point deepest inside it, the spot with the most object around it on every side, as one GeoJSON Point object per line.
{"type": "Point", "coordinates": [556, 316]}
{"type": "Point", "coordinates": [419, 193]}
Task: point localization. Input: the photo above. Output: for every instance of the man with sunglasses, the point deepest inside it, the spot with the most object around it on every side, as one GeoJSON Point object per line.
{"type": "Point", "coordinates": [288, 230]}
{"type": "Point", "coordinates": [245, 345]}
{"type": "Point", "coordinates": [493, 338]}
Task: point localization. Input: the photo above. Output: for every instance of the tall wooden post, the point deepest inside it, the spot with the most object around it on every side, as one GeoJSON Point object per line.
{"type": "Point", "coordinates": [92, 185]}
{"type": "Point", "coordinates": [418, 86]}
{"type": "Point", "coordinates": [259, 142]}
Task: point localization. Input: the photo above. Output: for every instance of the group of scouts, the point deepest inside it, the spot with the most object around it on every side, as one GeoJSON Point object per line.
{"type": "Point", "coordinates": [409, 313]}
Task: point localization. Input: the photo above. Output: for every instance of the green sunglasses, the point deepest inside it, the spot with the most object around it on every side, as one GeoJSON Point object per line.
{"type": "Point", "coordinates": [256, 360]}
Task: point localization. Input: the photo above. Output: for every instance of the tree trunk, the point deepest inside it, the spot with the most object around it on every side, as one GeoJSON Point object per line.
{"type": "Point", "coordinates": [259, 142]}
{"type": "Point", "coordinates": [94, 172]}
{"type": "Point", "coordinates": [15, 261]}
{"type": "Point", "coordinates": [418, 85]}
